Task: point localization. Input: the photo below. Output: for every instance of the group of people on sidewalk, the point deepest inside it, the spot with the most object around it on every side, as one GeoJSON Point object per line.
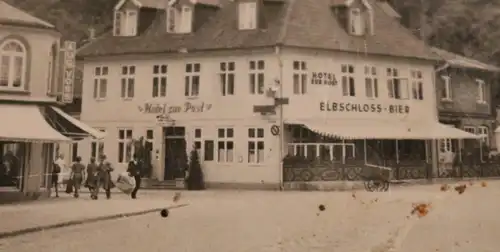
{"type": "Point", "coordinates": [96, 175]}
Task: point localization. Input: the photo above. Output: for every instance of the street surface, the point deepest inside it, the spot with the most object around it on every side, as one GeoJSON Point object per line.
{"type": "Point", "coordinates": [291, 221]}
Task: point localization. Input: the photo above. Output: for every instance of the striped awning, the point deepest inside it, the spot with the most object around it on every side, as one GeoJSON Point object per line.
{"type": "Point", "coordinates": [362, 129]}
{"type": "Point", "coordinates": [25, 123]}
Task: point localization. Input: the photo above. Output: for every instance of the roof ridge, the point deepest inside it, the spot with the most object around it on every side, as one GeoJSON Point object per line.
{"type": "Point", "coordinates": [25, 17]}
{"type": "Point", "coordinates": [284, 29]}
{"type": "Point", "coordinates": [404, 28]}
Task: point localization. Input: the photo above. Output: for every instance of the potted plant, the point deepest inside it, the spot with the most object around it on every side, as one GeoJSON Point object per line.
{"type": "Point", "coordinates": [195, 179]}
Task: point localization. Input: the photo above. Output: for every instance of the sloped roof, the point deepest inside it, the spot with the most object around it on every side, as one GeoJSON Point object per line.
{"type": "Point", "coordinates": [300, 23]}
{"type": "Point", "coordinates": [13, 16]}
{"type": "Point", "coordinates": [456, 60]}
{"type": "Point", "coordinates": [388, 9]}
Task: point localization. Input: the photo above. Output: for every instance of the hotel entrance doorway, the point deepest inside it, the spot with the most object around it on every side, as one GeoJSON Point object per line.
{"type": "Point", "coordinates": [175, 153]}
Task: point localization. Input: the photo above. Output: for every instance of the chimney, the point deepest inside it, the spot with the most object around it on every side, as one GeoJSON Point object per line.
{"type": "Point", "coordinates": [91, 34]}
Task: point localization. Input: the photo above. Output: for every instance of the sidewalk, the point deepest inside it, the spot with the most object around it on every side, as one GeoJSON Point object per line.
{"type": "Point", "coordinates": [30, 217]}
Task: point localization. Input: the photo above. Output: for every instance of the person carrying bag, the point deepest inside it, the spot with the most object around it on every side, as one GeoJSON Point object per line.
{"type": "Point", "coordinates": [134, 170]}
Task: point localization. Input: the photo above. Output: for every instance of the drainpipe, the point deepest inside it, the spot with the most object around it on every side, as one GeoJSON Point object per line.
{"type": "Point", "coordinates": [434, 142]}
{"type": "Point", "coordinates": [281, 137]}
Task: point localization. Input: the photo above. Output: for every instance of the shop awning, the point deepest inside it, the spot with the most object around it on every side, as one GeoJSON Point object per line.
{"type": "Point", "coordinates": [357, 129]}
{"type": "Point", "coordinates": [73, 127]}
{"type": "Point", "coordinates": [25, 123]}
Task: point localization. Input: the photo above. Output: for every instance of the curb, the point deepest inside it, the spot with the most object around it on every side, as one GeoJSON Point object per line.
{"type": "Point", "coordinates": [342, 186]}
{"type": "Point", "coordinates": [14, 233]}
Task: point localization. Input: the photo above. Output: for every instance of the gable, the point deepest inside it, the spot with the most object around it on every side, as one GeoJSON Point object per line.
{"type": "Point", "coordinates": [12, 15]}
{"type": "Point", "coordinates": [128, 3]}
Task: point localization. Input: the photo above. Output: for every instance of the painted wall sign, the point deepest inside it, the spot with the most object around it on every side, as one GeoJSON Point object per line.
{"type": "Point", "coordinates": [363, 107]}
{"type": "Point", "coordinates": [323, 78]}
{"type": "Point", "coordinates": [164, 108]}
{"type": "Point", "coordinates": [68, 71]}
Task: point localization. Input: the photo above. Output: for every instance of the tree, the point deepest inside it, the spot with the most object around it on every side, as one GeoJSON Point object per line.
{"type": "Point", "coordinates": [195, 179]}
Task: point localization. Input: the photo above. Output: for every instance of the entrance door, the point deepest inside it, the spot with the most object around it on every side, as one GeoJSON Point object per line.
{"type": "Point", "coordinates": [175, 153]}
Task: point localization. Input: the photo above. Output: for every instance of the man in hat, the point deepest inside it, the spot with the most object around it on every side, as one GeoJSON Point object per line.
{"type": "Point", "coordinates": [104, 170]}
{"type": "Point", "coordinates": [135, 170]}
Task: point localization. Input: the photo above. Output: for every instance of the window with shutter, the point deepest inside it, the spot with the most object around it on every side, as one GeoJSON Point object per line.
{"type": "Point", "coordinates": [186, 19]}
{"type": "Point", "coordinates": [247, 16]}
{"type": "Point", "coordinates": [117, 24]}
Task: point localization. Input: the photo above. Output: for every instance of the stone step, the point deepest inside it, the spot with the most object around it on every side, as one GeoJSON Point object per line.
{"type": "Point", "coordinates": [153, 184]}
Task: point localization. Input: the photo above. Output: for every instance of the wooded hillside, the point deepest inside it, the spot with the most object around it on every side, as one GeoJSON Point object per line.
{"type": "Point", "coordinates": [469, 27]}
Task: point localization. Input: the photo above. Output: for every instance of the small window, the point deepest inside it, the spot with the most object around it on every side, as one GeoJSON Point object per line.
{"type": "Point", "coordinates": [74, 151]}
{"type": "Point", "coordinates": [299, 77]}
{"type": "Point", "coordinates": [417, 85]}
{"type": "Point", "coordinates": [247, 15]}
{"type": "Point", "coordinates": [159, 81]}
{"type": "Point", "coordinates": [225, 145]}
{"type": "Point", "coordinates": [100, 82]}
{"type": "Point", "coordinates": [13, 62]}
{"type": "Point", "coordinates": [227, 78]}
{"type": "Point", "coordinates": [397, 87]}
{"type": "Point", "coordinates": [125, 23]}
{"type": "Point", "coordinates": [209, 150]}
{"type": "Point", "coordinates": [470, 129]}
{"type": "Point", "coordinates": [172, 19]}
{"type": "Point", "coordinates": [446, 93]}
{"type": "Point", "coordinates": [125, 146]}
{"type": "Point", "coordinates": [257, 77]}
{"type": "Point", "coordinates": [484, 133]}
{"type": "Point", "coordinates": [197, 142]}
{"type": "Point", "coordinates": [482, 93]}
{"type": "Point", "coordinates": [357, 23]}
{"type": "Point", "coordinates": [256, 145]}
{"type": "Point", "coordinates": [371, 82]}
{"type": "Point", "coordinates": [97, 147]}
{"type": "Point", "coordinates": [348, 84]}
{"type": "Point", "coordinates": [186, 19]}
{"type": "Point", "coordinates": [128, 82]}
{"type": "Point", "coordinates": [192, 80]}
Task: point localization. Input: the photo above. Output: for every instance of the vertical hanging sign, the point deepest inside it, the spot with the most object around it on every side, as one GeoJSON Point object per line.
{"type": "Point", "coordinates": [68, 71]}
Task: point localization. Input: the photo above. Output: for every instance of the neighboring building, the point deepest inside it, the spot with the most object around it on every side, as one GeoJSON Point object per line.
{"type": "Point", "coordinates": [464, 96]}
{"type": "Point", "coordinates": [211, 75]}
{"type": "Point", "coordinates": [33, 125]}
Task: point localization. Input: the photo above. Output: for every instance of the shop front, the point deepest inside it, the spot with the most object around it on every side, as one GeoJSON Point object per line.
{"type": "Point", "coordinates": [27, 144]}
{"type": "Point", "coordinates": [354, 139]}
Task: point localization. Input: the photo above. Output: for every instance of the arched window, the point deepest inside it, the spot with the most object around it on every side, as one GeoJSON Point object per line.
{"type": "Point", "coordinates": [12, 65]}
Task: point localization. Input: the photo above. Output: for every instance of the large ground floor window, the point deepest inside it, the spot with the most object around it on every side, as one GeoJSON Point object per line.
{"type": "Point", "coordinates": [309, 145]}
{"type": "Point", "coordinates": [12, 156]}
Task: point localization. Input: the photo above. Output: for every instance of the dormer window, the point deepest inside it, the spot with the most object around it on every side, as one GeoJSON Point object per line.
{"type": "Point", "coordinates": [247, 15]}
{"type": "Point", "coordinates": [357, 22]}
{"type": "Point", "coordinates": [179, 20]}
{"type": "Point", "coordinates": [125, 23]}
{"type": "Point", "coordinates": [355, 15]}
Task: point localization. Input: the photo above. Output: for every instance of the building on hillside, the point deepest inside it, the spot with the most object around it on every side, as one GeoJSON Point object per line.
{"type": "Point", "coordinates": [33, 124]}
{"type": "Point", "coordinates": [251, 84]}
{"type": "Point", "coordinates": [464, 97]}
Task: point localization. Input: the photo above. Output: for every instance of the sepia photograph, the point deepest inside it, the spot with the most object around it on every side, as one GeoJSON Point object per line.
{"type": "Point", "coordinates": [249, 125]}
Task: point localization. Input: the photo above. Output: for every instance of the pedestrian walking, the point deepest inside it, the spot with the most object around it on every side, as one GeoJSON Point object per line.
{"type": "Point", "coordinates": [104, 170]}
{"type": "Point", "coordinates": [77, 175]}
{"type": "Point", "coordinates": [135, 170]}
{"type": "Point", "coordinates": [91, 180]}
{"type": "Point", "coordinates": [56, 171]}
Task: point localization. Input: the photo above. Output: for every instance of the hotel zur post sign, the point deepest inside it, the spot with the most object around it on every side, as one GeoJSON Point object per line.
{"type": "Point", "coordinates": [68, 71]}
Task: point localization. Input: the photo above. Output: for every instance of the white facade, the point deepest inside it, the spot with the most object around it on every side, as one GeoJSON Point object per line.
{"type": "Point", "coordinates": [211, 111]}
